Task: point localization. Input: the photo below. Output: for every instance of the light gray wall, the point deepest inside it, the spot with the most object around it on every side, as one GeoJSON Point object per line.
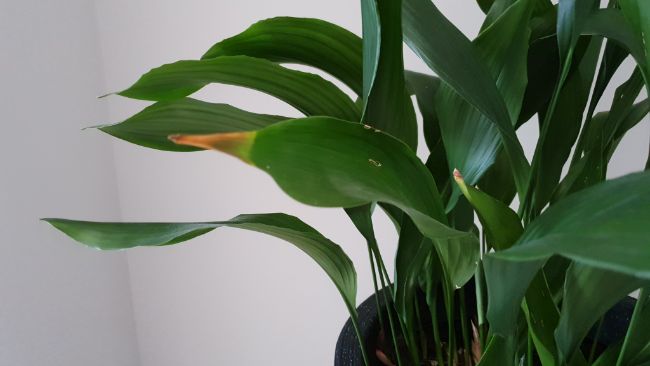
{"type": "Point", "coordinates": [61, 304]}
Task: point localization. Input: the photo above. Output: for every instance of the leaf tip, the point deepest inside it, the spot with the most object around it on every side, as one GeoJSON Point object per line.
{"type": "Point", "coordinates": [457, 175]}
{"type": "Point", "coordinates": [237, 144]}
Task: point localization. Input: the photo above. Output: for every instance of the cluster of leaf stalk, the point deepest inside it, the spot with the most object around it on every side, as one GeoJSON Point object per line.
{"type": "Point", "coordinates": [545, 275]}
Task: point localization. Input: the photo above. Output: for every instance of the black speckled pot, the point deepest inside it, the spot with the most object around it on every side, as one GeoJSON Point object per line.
{"type": "Point", "coordinates": [348, 352]}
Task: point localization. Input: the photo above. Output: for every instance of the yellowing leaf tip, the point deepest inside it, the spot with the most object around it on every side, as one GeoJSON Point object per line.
{"type": "Point", "coordinates": [234, 143]}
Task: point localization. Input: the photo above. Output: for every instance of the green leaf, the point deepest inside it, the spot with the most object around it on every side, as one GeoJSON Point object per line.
{"type": "Point", "coordinates": [571, 16]}
{"type": "Point", "coordinates": [637, 12]}
{"type": "Point", "coordinates": [452, 56]}
{"type": "Point", "coordinates": [635, 115]}
{"type": "Point", "coordinates": [388, 106]}
{"type": "Point", "coordinates": [625, 27]}
{"type": "Point", "coordinates": [563, 126]}
{"type": "Point", "coordinates": [497, 181]}
{"type": "Point", "coordinates": [471, 140]}
{"type": "Point", "coordinates": [151, 127]}
{"type": "Point", "coordinates": [502, 225]}
{"type": "Point", "coordinates": [608, 126]}
{"type": "Point", "coordinates": [588, 293]}
{"type": "Point", "coordinates": [543, 71]}
{"type": "Point", "coordinates": [583, 226]}
{"type": "Point", "coordinates": [326, 162]}
{"type": "Point", "coordinates": [412, 252]}
{"type": "Point", "coordinates": [498, 352]}
{"type": "Point", "coordinates": [542, 317]}
{"type": "Point", "coordinates": [309, 93]}
{"type": "Point", "coordinates": [305, 41]}
{"type": "Point", "coordinates": [425, 87]}
{"type": "Point", "coordinates": [507, 282]}
{"type": "Point", "coordinates": [329, 256]}
{"type": "Point", "coordinates": [638, 348]}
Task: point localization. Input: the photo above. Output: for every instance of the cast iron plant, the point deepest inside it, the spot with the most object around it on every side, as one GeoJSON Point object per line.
{"type": "Point", "coordinates": [545, 271]}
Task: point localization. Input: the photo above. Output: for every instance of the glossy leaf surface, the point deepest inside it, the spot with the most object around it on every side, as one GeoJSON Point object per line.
{"type": "Point", "coordinates": [306, 41]}
{"type": "Point", "coordinates": [388, 106]}
{"type": "Point", "coordinates": [583, 226]}
{"type": "Point", "coordinates": [453, 57]}
{"type": "Point", "coordinates": [588, 293]}
{"type": "Point", "coordinates": [471, 139]}
{"type": "Point", "coordinates": [151, 127]}
{"type": "Point", "coordinates": [309, 93]}
{"type": "Point", "coordinates": [326, 162]}
{"type": "Point", "coordinates": [111, 235]}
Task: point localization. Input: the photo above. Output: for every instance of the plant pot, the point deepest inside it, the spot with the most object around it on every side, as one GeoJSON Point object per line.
{"type": "Point", "coordinates": [348, 353]}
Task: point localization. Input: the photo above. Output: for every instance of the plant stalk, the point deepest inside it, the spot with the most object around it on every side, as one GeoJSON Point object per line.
{"type": "Point", "coordinates": [433, 308]}
{"type": "Point", "coordinates": [464, 326]}
{"type": "Point", "coordinates": [633, 324]}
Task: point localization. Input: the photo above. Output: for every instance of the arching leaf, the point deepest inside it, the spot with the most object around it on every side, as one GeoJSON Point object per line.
{"type": "Point", "coordinates": [309, 93]}
{"type": "Point", "coordinates": [151, 126]}
{"type": "Point", "coordinates": [306, 41]}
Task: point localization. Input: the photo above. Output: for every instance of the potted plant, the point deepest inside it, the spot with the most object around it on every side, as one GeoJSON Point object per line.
{"type": "Point", "coordinates": [526, 286]}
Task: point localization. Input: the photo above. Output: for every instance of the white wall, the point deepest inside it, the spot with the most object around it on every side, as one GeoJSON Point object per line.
{"type": "Point", "coordinates": [61, 304]}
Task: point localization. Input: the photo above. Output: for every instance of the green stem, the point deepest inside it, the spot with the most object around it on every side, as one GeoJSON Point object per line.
{"type": "Point", "coordinates": [433, 308]}
{"type": "Point", "coordinates": [355, 324]}
{"type": "Point", "coordinates": [389, 307]}
{"type": "Point", "coordinates": [592, 351]}
{"type": "Point", "coordinates": [464, 325]}
{"type": "Point", "coordinates": [448, 293]}
{"type": "Point", "coordinates": [423, 337]}
{"type": "Point", "coordinates": [633, 324]}
{"type": "Point", "coordinates": [529, 356]}
{"type": "Point", "coordinates": [480, 303]}
{"type": "Point", "coordinates": [376, 286]}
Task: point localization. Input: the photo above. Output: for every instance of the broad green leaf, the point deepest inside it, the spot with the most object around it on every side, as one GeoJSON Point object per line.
{"type": "Point", "coordinates": [571, 16]}
{"type": "Point", "coordinates": [563, 127]}
{"type": "Point", "coordinates": [502, 225]}
{"type": "Point", "coordinates": [601, 137]}
{"type": "Point", "coordinates": [637, 12]}
{"type": "Point", "coordinates": [607, 126]}
{"type": "Point", "coordinates": [627, 30]}
{"type": "Point", "coordinates": [497, 181]}
{"type": "Point", "coordinates": [496, 10]}
{"type": "Point", "coordinates": [498, 7]}
{"type": "Point", "coordinates": [460, 257]}
{"type": "Point", "coordinates": [543, 71]}
{"type": "Point", "coordinates": [413, 250]}
{"type": "Point", "coordinates": [329, 256]}
{"type": "Point", "coordinates": [471, 140]}
{"type": "Point", "coordinates": [613, 57]}
{"type": "Point", "coordinates": [507, 282]}
{"type": "Point", "coordinates": [306, 41]}
{"type": "Point", "coordinates": [542, 317]}
{"type": "Point", "coordinates": [371, 30]}
{"type": "Point", "coordinates": [453, 57]}
{"type": "Point", "coordinates": [326, 162]}
{"type": "Point", "coordinates": [309, 93]}
{"type": "Point", "coordinates": [151, 126]}
{"type": "Point", "coordinates": [583, 225]}
{"type": "Point", "coordinates": [498, 352]}
{"type": "Point", "coordinates": [425, 87]}
{"type": "Point", "coordinates": [588, 293]}
{"type": "Point", "coordinates": [388, 106]}
{"type": "Point", "coordinates": [635, 115]}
